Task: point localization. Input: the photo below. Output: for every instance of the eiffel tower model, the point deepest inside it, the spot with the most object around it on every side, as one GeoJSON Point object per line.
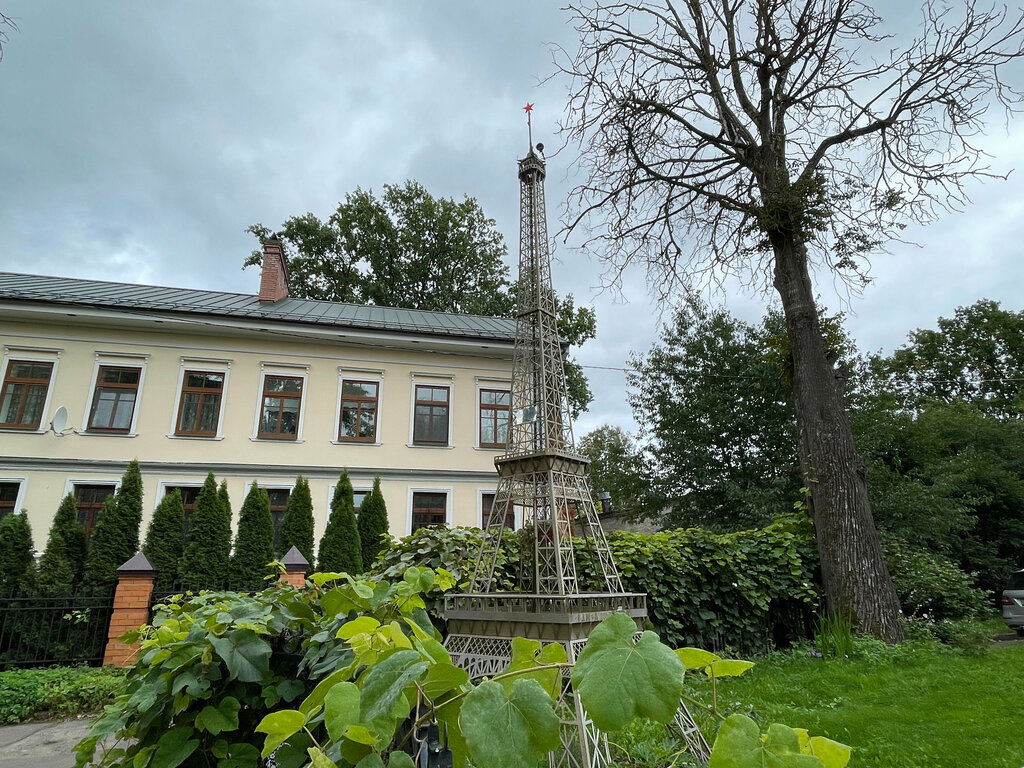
{"type": "Point", "coordinates": [544, 480]}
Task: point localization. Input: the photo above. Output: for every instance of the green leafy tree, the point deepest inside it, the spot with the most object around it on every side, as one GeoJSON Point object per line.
{"type": "Point", "coordinates": [254, 541]}
{"type": "Point", "coordinates": [297, 524]}
{"type": "Point", "coordinates": [373, 525]}
{"type": "Point", "coordinates": [340, 548]}
{"type": "Point", "coordinates": [408, 249]}
{"type": "Point", "coordinates": [225, 501]}
{"type": "Point", "coordinates": [716, 416]}
{"type": "Point", "coordinates": [115, 536]}
{"type": "Point", "coordinates": [616, 466]}
{"type": "Point", "coordinates": [205, 563]}
{"type": "Point", "coordinates": [976, 356]}
{"type": "Point", "coordinates": [17, 555]}
{"type": "Point", "coordinates": [60, 567]}
{"type": "Point", "coordinates": [165, 540]}
{"type": "Point", "coordinates": [765, 139]}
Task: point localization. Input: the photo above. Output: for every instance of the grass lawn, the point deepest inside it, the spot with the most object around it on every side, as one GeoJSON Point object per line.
{"type": "Point", "coordinates": [902, 707]}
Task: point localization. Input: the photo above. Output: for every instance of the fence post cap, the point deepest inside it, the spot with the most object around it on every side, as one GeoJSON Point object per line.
{"type": "Point", "coordinates": [138, 565]}
{"type": "Point", "coordinates": [294, 562]}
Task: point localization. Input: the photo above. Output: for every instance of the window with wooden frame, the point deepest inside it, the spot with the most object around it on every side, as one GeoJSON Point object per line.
{"type": "Point", "coordinates": [89, 500]}
{"type": "Point", "coordinates": [358, 497]}
{"type": "Point", "coordinates": [199, 406]}
{"type": "Point", "coordinates": [281, 405]}
{"type": "Point", "coordinates": [359, 404]}
{"type": "Point", "coordinates": [430, 415]}
{"type": "Point", "coordinates": [189, 494]}
{"type": "Point", "coordinates": [495, 405]}
{"type": "Point", "coordinates": [278, 503]}
{"type": "Point", "coordinates": [113, 402]}
{"type": "Point", "coordinates": [24, 394]}
{"type": "Point", "coordinates": [8, 498]}
{"type": "Point", "coordinates": [508, 520]}
{"type": "Point", "coordinates": [428, 509]}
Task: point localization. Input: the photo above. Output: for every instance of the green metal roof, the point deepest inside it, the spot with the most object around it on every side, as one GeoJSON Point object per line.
{"type": "Point", "coordinates": [136, 298]}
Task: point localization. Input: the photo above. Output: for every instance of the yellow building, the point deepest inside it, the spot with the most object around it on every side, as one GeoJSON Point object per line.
{"type": "Point", "coordinates": [255, 388]}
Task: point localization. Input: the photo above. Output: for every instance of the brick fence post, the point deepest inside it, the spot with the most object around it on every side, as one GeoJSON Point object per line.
{"type": "Point", "coordinates": [295, 568]}
{"type": "Point", "coordinates": [131, 608]}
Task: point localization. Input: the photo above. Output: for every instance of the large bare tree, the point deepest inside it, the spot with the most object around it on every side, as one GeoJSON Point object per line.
{"type": "Point", "coordinates": [775, 138]}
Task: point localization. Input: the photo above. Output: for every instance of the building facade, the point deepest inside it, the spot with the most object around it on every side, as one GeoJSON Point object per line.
{"type": "Point", "coordinates": [253, 388]}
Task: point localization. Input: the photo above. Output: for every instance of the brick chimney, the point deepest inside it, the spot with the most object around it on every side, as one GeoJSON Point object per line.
{"type": "Point", "coordinates": [274, 280]}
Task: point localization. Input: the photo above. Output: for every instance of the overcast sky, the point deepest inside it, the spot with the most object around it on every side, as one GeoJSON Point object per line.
{"type": "Point", "coordinates": [139, 140]}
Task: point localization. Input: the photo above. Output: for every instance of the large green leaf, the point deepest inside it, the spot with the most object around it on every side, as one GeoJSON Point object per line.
{"type": "Point", "coordinates": [442, 678]}
{"type": "Point", "coordinates": [618, 680]}
{"type": "Point", "coordinates": [174, 747]}
{"type": "Point", "coordinates": [385, 681]}
{"type": "Point", "coordinates": [341, 709]}
{"type": "Point", "coordinates": [279, 726]}
{"type": "Point", "coordinates": [509, 730]}
{"type": "Point", "coordinates": [320, 760]}
{"type": "Point", "coordinates": [529, 655]}
{"type": "Point", "coordinates": [316, 696]}
{"type": "Point", "coordinates": [223, 717]}
{"type": "Point", "coordinates": [739, 745]}
{"type": "Point", "coordinates": [241, 755]}
{"type": "Point", "coordinates": [246, 655]}
{"type": "Point", "coordinates": [728, 667]}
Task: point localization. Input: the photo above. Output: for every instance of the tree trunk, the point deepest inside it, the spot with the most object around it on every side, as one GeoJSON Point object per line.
{"type": "Point", "coordinates": [853, 570]}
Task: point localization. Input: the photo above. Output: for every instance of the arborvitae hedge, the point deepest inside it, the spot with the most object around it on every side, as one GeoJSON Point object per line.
{"type": "Point", "coordinates": [17, 561]}
{"type": "Point", "coordinates": [254, 542]}
{"type": "Point", "coordinates": [340, 548]}
{"type": "Point", "coordinates": [225, 502]}
{"type": "Point", "coordinates": [165, 540]}
{"type": "Point", "coordinates": [373, 525]}
{"type": "Point", "coordinates": [297, 525]}
{"type": "Point", "coordinates": [205, 563]}
{"type": "Point", "coordinates": [60, 567]}
{"type": "Point", "coordinates": [115, 537]}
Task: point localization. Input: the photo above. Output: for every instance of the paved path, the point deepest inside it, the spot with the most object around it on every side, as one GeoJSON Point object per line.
{"type": "Point", "coordinates": [41, 744]}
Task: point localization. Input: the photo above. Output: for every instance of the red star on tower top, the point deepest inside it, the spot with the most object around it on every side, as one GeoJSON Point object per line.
{"type": "Point", "coordinates": [528, 108]}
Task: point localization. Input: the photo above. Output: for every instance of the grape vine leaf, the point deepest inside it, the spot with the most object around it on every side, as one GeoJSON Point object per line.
{"type": "Point", "coordinates": [385, 681]}
{"type": "Point", "coordinates": [341, 709]}
{"type": "Point", "coordinates": [174, 747]}
{"type": "Point", "coordinates": [646, 677]}
{"type": "Point", "coordinates": [728, 667]}
{"type": "Point", "coordinates": [223, 717]}
{"type": "Point", "coordinates": [695, 658]}
{"type": "Point", "coordinates": [529, 655]}
{"type": "Point", "coordinates": [319, 760]}
{"type": "Point", "coordinates": [279, 726]}
{"type": "Point", "coordinates": [247, 656]}
{"type": "Point", "coordinates": [442, 678]}
{"type": "Point", "coordinates": [831, 753]}
{"type": "Point", "coordinates": [509, 730]}
{"type": "Point", "coordinates": [739, 745]}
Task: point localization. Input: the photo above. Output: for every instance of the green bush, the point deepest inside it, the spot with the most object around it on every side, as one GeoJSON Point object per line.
{"type": "Point", "coordinates": [165, 540]}
{"type": "Point", "coordinates": [373, 525]}
{"type": "Point", "coordinates": [340, 548]}
{"type": "Point", "coordinates": [931, 587]}
{"type": "Point", "coordinates": [59, 692]}
{"type": "Point", "coordinates": [17, 558]}
{"type": "Point", "coordinates": [297, 524]}
{"type": "Point", "coordinates": [71, 547]}
{"type": "Point", "coordinates": [115, 537]}
{"type": "Point", "coordinates": [254, 542]}
{"type": "Point", "coordinates": [206, 560]}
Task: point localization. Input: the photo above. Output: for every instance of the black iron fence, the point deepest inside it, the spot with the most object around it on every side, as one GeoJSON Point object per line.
{"type": "Point", "coordinates": [38, 631]}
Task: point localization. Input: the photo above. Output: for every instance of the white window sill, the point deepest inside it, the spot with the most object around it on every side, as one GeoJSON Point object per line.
{"type": "Point", "coordinates": [173, 436]}
{"type": "Point", "coordinates": [95, 433]}
{"type": "Point", "coordinates": [354, 442]}
{"type": "Point", "coordinates": [282, 441]}
{"type": "Point", "coordinates": [430, 447]}
{"type": "Point", "coordinates": [490, 449]}
{"type": "Point", "coordinates": [20, 431]}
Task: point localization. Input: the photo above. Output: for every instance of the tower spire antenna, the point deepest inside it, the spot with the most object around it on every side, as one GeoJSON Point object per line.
{"type": "Point", "coordinates": [528, 109]}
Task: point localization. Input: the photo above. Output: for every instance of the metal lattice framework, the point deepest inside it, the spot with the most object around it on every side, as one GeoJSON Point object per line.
{"type": "Point", "coordinates": [543, 480]}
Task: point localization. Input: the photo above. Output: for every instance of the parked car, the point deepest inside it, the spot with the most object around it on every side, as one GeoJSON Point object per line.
{"type": "Point", "coordinates": [1013, 602]}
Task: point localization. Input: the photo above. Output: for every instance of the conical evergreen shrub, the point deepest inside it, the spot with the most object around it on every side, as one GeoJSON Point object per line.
{"type": "Point", "coordinates": [373, 525]}
{"type": "Point", "coordinates": [115, 537]}
{"type": "Point", "coordinates": [165, 541]}
{"type": "Point", "coordinates": [340, 548]}
{"type": "Point", "coordinates": [205, 564]}
{"type": "Point", "coordinates": [225, 500]}
{"type": "Point", "coordinates": [254, 542]}
{"type": "Point", "coordinates": [297, 524]}
{"type": "Point", "coordinates": [17, 561]}
{"type": "Point", "coordinates": [60, 567]}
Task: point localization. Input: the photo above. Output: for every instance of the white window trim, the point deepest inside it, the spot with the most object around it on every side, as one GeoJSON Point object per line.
{"type": "Point", "coordinates": [19, 500]}
{"type": "Point", "coordinates": [69, 485]}
{"type": "Point", "coordinates": [200, 364]}
{"type": "Point", "coordinates": [163, 485]}
{"type": "Point", "coordinates": [122, 360]}
{"type": "Point", "coordinates": [517, 511]}
{"type": "Point", "coordinates": [445, 489]}
{"type": "Point", "coordinates": [35, 355]}
{"type": "Point", "coordinates": [293, 370]}
{"type": "Point", "coordinates": [358, 374]}
{"type": "Point", "coordinates": [504, 385]}
{"type": "Point", "coordinates": [431, 379]}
